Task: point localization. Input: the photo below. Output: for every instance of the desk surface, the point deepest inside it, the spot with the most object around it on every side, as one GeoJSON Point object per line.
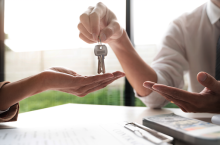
{"type": "Point", "coordinates": [77, 124]}
{"type": "Point", "coordinates": [73, 113]}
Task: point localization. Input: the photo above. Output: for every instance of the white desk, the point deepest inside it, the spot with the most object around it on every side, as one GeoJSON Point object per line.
{"type": "Point", "coordinates": [74, 114]}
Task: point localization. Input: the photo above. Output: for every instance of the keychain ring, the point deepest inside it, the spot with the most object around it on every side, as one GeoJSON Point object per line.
{"type": "Point", "coordinates": [100, 42]}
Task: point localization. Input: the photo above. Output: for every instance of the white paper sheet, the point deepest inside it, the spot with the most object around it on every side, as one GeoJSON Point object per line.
{"type": "Point", "coordinates": [92, 134]}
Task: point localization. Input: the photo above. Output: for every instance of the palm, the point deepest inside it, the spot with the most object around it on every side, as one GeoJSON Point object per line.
{"type": "Point", "coordinates": [207, 100]}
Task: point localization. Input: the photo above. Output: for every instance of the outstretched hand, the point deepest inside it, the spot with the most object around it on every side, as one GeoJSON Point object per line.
{"type": "Point", "coordinates": [208, 100]}
{"type": "Point", "coordinates": [66, 80]}
{"type": "Point", "coordinates": [56, 78]}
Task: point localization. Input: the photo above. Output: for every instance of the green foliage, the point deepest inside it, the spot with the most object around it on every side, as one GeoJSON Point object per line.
{"type": "Point", "coordinates": [107, 96]}
{"type": "Point", "coordinates": [53, 98]}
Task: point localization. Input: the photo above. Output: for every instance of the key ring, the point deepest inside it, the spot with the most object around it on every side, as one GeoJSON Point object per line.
{"type": "Point", "coordinates": [100, 42]}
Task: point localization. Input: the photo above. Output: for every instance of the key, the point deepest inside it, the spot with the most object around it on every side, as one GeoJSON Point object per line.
{"type": "Point", "coordinates": [99, 64]}
{"type": "Point", "coordinates": [101, 51]}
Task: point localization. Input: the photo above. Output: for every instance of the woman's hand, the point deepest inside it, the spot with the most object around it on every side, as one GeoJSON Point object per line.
{"type": "Point", "coordinates": [56, 78]}
{"type": "Point", "coordinates": [66, 80]}
{"type": "Point", "coordinates": [99, 21]}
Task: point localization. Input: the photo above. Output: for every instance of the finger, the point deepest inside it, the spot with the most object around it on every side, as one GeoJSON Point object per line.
{"type": "Point", "coordinates": [103, 85]}
{"type": "Point", "coordinates": [83, 30]}
{"type": "Point", "coordinates": [64, 70]}
{"type": "Point", "coordinates": [86, 89]}
{"type": "Point", "coordinates": [84, 19]}
{"type": "Point", "coordinates": [113, 30]}
{"type": "Point", "coordinates": [82, 81]}
{"type": "Point", "coordinates": [208, 81]}
{"type": "Point", "coordinates": [94, 18]}
{"type": "Point", "coordinates": [181, 104]}
{"type": "Point", "coordinates": [177, 93]}
{"type": "Point", "coordinates": [118, 74]}
{"type": "Point", "coordinates": [84, 38]}
{"type": "Point", "coordinates": [149, 85]}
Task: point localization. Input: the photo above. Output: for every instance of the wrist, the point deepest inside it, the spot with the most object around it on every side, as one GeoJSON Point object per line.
{"type": "Point", "coordinates": [123, 43]}
{"type": "Point", "coordinates": [44, 81]}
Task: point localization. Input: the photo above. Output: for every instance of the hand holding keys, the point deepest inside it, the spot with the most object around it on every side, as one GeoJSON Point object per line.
{"type": "Point", "coordinates": [101, 51]}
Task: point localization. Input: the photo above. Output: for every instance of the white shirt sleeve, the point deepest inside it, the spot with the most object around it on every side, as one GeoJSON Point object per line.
{"type": "Point", "coordinates": [4, 111]}
{"type": "Point", "coordinates": [154, 100]}
{"type": "Point", "coordinates": [169, 64]}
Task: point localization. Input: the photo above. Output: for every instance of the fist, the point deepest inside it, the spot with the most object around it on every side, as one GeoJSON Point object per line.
{"type": "Point", "coordinates": [97, 22]}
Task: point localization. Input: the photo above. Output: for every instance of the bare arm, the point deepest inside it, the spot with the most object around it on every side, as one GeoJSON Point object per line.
{"type": "Point", "coordinates": [99, 20]}
{"type": "Point", "coordinates": [137, 71]}
{"type": "Point", "coordinates": [56, 78]}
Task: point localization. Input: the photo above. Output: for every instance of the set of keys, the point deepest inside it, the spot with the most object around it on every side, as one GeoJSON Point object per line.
{"type": "Point", "coordinates": [101, 51]}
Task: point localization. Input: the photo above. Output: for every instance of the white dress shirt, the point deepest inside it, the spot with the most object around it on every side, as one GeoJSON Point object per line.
{"type": "Point", "coordinates": [188, 47]}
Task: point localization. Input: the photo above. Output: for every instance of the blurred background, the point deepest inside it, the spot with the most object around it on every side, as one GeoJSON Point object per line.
{"type": "Point", "coordinates": [43, 33]}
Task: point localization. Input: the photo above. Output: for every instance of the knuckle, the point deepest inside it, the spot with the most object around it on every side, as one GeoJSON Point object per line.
{"type": "Point", "coordinates": [93, 15]}
{"type": "Point", "coordinates": [100, 4]}
{"type": "Point", "coordinates": [83, 16]}
{"type": "Point", "coordinates": [90, 7]}
{"type": "Point", "coordinates": [79, 26]}
{"type": "Point", "coordinates": [117, 25]}
{"type": "Point", "coordinates": [80, 35]}
{"type": "Point", "coordinates": [109, 30]}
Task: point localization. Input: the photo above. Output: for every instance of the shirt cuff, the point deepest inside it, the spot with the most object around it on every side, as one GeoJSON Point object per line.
{"type": "Point", "coordinates": [4, 110]}
{"type": "Point", "coordinates": [154, 99]}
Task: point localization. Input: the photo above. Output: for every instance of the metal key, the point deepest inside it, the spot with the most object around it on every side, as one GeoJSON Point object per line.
{"type": "Point", "coordinates": [101, 51]}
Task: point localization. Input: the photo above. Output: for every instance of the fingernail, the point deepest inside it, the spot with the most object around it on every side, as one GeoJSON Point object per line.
{"type": "Point", "coordinates": [103, 37]}
{"type": "Point", "coordinates": [202, 77]}
{"type": "Point", "coordinates": [95, 37]}
{"type": "Point", "coordinates": [155, 88]}
{"type": "Point", "coordinates": [119, 75]}
{"type": "Point", "coordinates": [148, 85]}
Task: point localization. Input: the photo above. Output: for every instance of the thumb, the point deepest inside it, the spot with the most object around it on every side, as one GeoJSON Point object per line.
{"type": "Point", "coordinates": [113, 31]}
{"type": "Point", "coordinates": [208, 81]}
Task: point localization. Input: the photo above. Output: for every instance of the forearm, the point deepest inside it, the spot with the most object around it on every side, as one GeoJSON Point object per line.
{"type": "Point", "coordinates": [14, 92]}
{"type": "Point", "coordinates": [136, 70]}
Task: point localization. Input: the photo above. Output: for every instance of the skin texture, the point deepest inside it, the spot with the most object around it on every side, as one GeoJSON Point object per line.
{"type": "Point", "coordinates": [207, 100]}
{"type": "Point", "coordinates": [100, 21]}
{"type": "Point", "coordinates": [56, 78]}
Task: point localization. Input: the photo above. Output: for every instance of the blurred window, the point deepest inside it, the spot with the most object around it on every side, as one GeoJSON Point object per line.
{"type": "Point", "coordinates": [43, 33]}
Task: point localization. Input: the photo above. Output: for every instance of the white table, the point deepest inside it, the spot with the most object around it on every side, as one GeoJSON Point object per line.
{"type": "Point", "coordinates": [74, 114]}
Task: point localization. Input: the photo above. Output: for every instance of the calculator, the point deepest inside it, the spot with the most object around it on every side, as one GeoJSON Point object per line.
{"type": "Point", "coordinates": [190, 131]}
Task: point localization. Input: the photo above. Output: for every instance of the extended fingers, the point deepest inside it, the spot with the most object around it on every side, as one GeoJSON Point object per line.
{"type": "Point", "coordinates": [177, 93]}
{"type": "Point", "coordinates": [64, 70]}
{"type": "Point", "coordinates": [149, 85]}
{"type": "Point", "coordinates": [96, 86]}
{"type": "Point", "coordinates": [97, 78]}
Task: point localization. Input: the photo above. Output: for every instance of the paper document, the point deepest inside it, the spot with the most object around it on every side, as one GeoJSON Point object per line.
{"type": "Point", "coordinates": [95, 134]}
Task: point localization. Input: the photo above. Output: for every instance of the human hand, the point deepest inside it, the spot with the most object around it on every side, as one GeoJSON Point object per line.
{"type": "Point", "coordinates": [66, 80]}
{"type": "Point", "coordinates": [99, 21]}
{"type": "Point", "coordinates": [207, 100]}
{"type": "Point", "coordinates": [56, 78]}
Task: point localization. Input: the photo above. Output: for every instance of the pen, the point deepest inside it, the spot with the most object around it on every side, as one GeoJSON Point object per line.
{"type": "Point", "coordinates": [149, 134]}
